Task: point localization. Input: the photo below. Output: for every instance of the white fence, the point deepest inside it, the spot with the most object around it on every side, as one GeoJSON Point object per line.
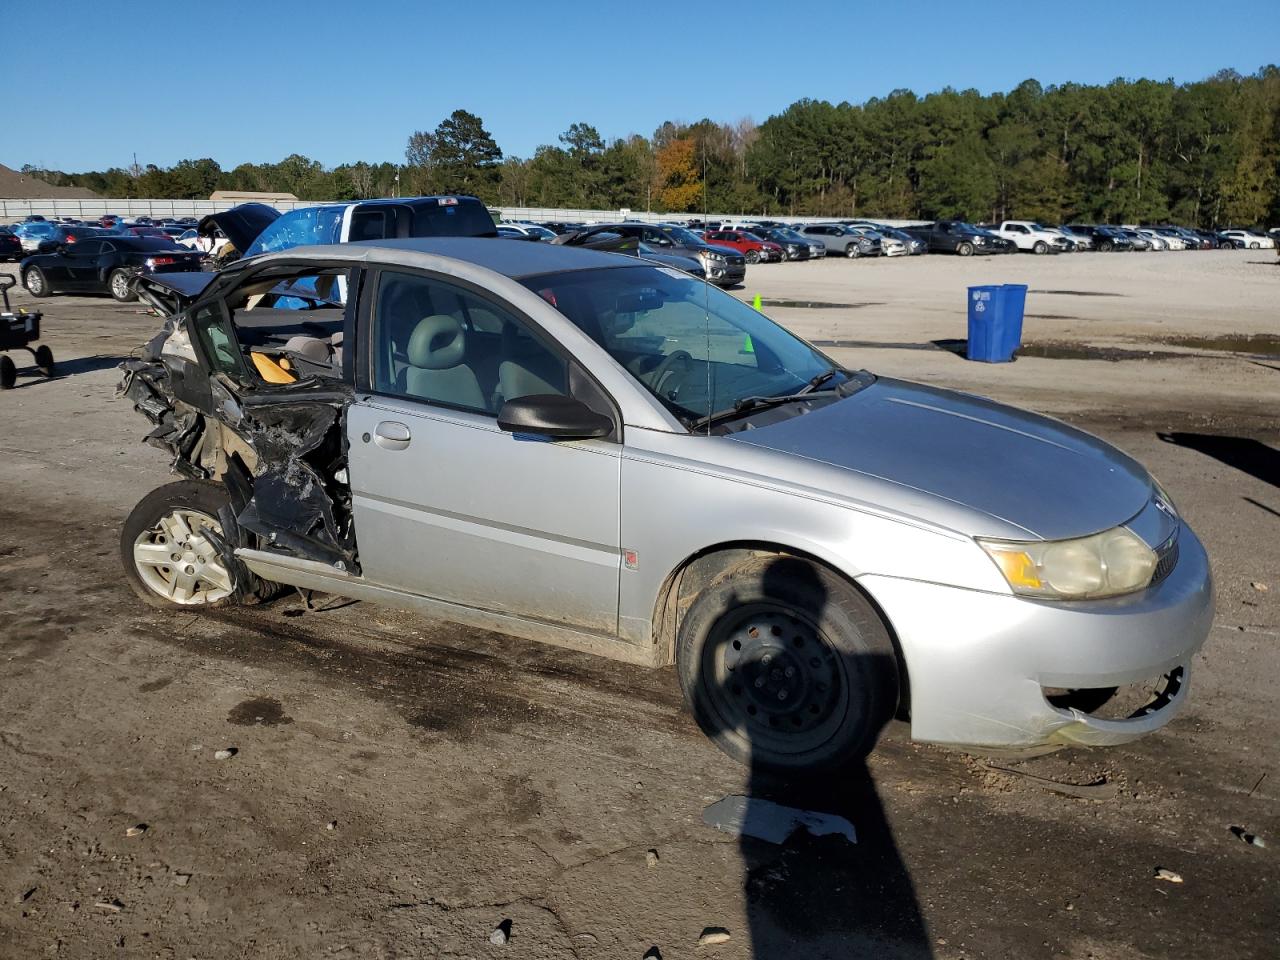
{"type": "Point", "coordinates": [12, 211]}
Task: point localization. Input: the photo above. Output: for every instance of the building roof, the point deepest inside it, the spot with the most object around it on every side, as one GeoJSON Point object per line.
{"type": "Point", "coordinates": [243, 196]}
{"type": "Point", "coordinates": [21, 186]}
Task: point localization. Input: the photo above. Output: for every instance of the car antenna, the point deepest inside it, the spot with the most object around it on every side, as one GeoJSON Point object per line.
{"type": "Point", "coordinates": [706, 288]}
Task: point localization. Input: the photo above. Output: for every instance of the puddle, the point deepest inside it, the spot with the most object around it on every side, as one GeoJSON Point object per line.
{"type": "Point", "coordinates": [1077, 293]}
{"type": "Point", "coordinates": [1262, 344]}
{"type": "Point", "coordinates": [819, 304]}
{"type": "Point", "coordinates": [264, 710]}
{"type": "Point", "coordinates": [1050, 350]}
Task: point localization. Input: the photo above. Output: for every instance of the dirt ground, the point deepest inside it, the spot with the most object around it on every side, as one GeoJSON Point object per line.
{"type": "Point", "coordinates": [401, 787]}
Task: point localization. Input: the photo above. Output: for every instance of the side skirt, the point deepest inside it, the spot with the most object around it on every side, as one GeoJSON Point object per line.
{"type": "Point", "coordinates": [313, 575]}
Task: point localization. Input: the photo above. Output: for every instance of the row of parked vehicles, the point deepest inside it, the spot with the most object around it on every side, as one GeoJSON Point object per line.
{"type": "Point", "coordinates": [66, 254]}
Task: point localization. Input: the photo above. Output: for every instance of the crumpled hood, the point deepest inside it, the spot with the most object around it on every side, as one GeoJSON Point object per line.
{"type": "Point", "coordinates": [1047, 478]}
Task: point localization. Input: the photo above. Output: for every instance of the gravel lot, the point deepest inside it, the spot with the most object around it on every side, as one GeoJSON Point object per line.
{"type": "Point", "coordinates": [401, 786]}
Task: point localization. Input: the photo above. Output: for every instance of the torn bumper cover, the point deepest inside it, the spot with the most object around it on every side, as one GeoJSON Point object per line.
{"type": "Point", "coordinates": [989, 668]}
{"type": "Point", "coordinates": [279, 451]}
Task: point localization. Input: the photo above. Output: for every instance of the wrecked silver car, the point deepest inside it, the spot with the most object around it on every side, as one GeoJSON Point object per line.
{"type": "Point", "coordinates": [585, 449]}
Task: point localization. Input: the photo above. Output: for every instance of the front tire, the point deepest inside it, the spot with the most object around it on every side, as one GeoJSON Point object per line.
{"type": "Point", "coordinates": [36, 282]}
{"type": "Point", "coordinates": [964, 250]}
{"type": "Point", "coordinates": [787, 667]}
{"type": "Point", "coordinates": [8, 373]}
{"type": "Point", "coordinates": [168, 560]}
{"type": "Point", "coordinates": [852, 251]}
{"type": "Point", "coordinates": [1040, 248]}
{"type": "Point", "coordinates": [752, 256]}
{"type": "Point", "coordinates": [118, 284]}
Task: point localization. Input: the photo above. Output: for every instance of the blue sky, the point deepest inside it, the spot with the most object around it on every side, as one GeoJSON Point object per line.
{"type": "Point", "coordinates": [342, 81]}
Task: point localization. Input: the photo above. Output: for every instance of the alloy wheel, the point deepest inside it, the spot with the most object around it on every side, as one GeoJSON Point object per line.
{"type": "Point", "coordinates": [177, 560]}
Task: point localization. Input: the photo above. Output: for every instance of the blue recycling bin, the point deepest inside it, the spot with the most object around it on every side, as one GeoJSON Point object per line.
{"type": "Point", "coordinates": [995, 321]}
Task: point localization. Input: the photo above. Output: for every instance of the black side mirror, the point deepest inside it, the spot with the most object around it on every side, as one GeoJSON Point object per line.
{"type": "Point", "coordinates": [551, 415]}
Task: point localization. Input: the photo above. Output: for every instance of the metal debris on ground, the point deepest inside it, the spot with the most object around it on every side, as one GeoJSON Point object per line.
{"type": "Point", "coordinates": [136, 830]}
{"type": "Point", "coordinates": [226, 753]}
{"type": "Point", "coordinates": [773, 822]}
{"type": "Point", "coordinates": [181, 879]}
{"type": "Point", "coordinates": [25, 895]}
{"type": "Point", "coordinates": [331, 825]}
{"type": "Point", "coordinates": [1250, 838]}
{"type": "Point", "coordinates": [1098, 789]}
{"type": "Point", "coordinates": [110, 906]}
{"type": "Point", "coordinates": [651, 858]}
{"type": "Point", "coordinates": [1259, 586]}
{"type": "Point", "coordinates": [1169, 875]}
{"type": "Point", "coordinates": [713, 936]}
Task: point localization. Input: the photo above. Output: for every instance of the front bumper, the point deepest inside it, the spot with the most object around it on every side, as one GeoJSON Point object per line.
{"type": "Point", "coordinates": [978, 663]}
{"type": "Point", "coordinates": [725, 274]}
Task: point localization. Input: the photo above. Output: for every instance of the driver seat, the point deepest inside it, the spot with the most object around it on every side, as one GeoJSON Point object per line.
{"type": "Point", "coordinates": [437, 369]}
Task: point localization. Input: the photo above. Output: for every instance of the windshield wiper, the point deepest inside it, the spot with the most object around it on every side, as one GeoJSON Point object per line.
{"type": "Point", "coordinates": [746, 404]}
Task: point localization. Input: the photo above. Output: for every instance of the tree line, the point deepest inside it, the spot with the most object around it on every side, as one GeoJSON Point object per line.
{"type": "Point", "coordinates": [1204, 153]}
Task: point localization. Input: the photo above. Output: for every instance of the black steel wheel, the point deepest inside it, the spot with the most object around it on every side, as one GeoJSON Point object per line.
{"type": "Point", "coordinates": [787, 666]}
{"type": "Point", "coordinates": [8, 373]}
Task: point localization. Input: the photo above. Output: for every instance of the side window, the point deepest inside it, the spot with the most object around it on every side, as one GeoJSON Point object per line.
{"type": "Point", "coordinates": [439, 343]}
{"type": "Point", "coordinates": [216, 338]}
{"type": "Point", "coordinates": [87, 248]}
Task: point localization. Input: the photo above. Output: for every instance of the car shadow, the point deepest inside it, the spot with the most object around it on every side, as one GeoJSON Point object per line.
{"type": "Point", "coordinates": [1245, 454]}
{"type": "Point", "coordinates": [819, 894]}
{"type": "Point", "coordinates": [30, 376]}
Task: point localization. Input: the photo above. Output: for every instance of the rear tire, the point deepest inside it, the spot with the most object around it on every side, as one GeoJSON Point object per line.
{"type": "Point", "coordinates": [191, 574]}
{"type": "Point", "coordinates": [118, 284]}
{"type": "Point", "coordinates": [36, 282]}
{"type": "Point", "coordinates": [44, 359]}
{"type": "Point", "coordinates": [964, 250]}
{"type": "Point", "coordinates": [787, 667]}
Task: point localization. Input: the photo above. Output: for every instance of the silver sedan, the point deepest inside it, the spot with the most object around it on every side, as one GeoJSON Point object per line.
{"type": "Point", "coordinates": [584, 449]}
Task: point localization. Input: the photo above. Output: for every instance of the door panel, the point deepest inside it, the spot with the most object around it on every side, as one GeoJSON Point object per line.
{"type": "Point", "coordinates": [449, 506]}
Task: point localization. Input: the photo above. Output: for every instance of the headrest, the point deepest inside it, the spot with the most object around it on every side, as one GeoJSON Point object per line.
{"type": "Point", "coordinates": [437, 343]}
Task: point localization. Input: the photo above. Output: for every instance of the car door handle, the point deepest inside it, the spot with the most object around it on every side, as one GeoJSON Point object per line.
{"type": "Point", "coordinates": [391, 435]}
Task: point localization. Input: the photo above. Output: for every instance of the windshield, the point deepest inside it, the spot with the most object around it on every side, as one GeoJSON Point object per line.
{"type": "Point", "coordinates": [694, 347]}
{"type": "Point", "coordinates": [683, 237]}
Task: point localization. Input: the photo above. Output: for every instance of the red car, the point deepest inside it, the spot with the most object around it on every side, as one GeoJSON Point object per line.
{"type": "Point", "coordinates": [750, 246]}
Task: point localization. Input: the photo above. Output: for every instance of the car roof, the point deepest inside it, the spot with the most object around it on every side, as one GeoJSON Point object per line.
{"type": "Point", "coordinates": [511, 258]}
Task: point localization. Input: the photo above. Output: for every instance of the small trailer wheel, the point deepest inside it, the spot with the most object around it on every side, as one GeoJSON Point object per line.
{"type": "Point", "coordinates": [8, 374]}
{"type": "Point", "coordinates": [44, 359]}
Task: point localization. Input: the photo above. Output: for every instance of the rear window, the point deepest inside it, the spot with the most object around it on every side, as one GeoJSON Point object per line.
{"type": "Point", "coordinates": [463, 218]}
{"type": "Point", "coordinates": [145, 244]}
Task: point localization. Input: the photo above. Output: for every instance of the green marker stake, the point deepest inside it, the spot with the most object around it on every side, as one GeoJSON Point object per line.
{"type": "Point", "coordinates": [747, 345]}
{"type": "Point", "coordinates": [756, 302]}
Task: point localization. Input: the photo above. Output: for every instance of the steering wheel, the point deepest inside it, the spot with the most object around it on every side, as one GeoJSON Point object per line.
{"type": "Point", "coordinates": [667, 370]}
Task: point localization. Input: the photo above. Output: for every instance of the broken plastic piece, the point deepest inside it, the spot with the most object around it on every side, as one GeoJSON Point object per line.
{"type": "Point", "coordinates": [773, 822]}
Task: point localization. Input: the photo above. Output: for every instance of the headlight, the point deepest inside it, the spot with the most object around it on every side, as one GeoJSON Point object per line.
{"type": "Point", "coordinates": [979, 240]}
{"type": "Point", "coordinates": [1105, 565]}
{"type": "Point", "coordinates": [712, 255]}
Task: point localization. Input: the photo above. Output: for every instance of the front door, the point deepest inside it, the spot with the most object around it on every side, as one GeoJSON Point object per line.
{"type": "Point", "coordinates": [81, 260]}
{"type": "Point", "coordinates": [445, 503]}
